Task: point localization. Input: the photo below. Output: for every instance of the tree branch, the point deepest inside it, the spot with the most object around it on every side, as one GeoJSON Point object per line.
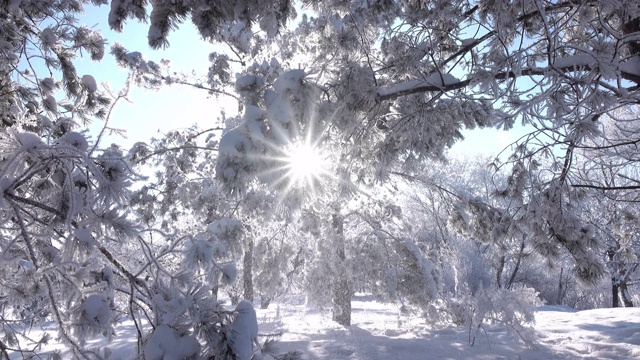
{"type": "Point", "coordinates": [418, 86]}
{"type": "Point", "coordinates": [607, 188]}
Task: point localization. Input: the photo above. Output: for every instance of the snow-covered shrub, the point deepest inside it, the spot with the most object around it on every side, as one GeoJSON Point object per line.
{"type": "Point", "coordinates": [416, 277]}
{"type": "Point", "coordinates": [512, 308]}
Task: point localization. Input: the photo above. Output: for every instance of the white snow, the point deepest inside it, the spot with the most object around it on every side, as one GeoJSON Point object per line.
{"type": "Point", "coordinates": [383, 331]}
{"type": "Point", "coordinates": [198, 252]}
{"type": "Point", "coordinates": [5, 46]}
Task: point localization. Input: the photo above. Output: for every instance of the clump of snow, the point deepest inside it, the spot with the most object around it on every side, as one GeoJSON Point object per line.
{"type": "Point", "coordinates": [89, 83]}
{"type": "Point", "coordinates": [50, 103]}
{"type": "Point", "coordinates": [134, 57]}
{"type": "Point", "coordinates": [13, 58]}
{"type": "Point", "coordinates": [225, 227]}
{"type": "Point", "coordinates": [269, 24]}
{"type": "Point", "coordinates": [441, 79]}
{"type": "Point", "coordinates": [45, 121]}
{"type": "Point", "coordinates": [155, 33]}
{"type": "Point", "coordinates": [248, 82]}
{"type": "Point", "coordinates": [32, 106]}
{"type": "Point", "coordinates": [229, 273]}
{"type": "Point", "coordinates": [84, 237]}
{"type": "Point", "coordinates": [96, 307]}
{"type": "Point", "coordinates": [93, 317]}
{"type": "Point", "coordinates": [47, 84]}
{"type": "Point", "coordinates": [235, 142]}
{"type": "Point", "coordinates": [76, 140]}
{"type": "Point", "coordinates": [5, 46]}
{"type": "Point", "coordinates": [243, 331]}
{"type": "Point", "coordinates": [434, 80]}
{"type": "Point", "coordinates": [48, 38]}
{"type": "Point", "coordinates": [165, 343]}
{"type": "Point", "coordinates": [29, 140]}
{"type": "Point", "coordinates": [5, 183]}
{"type": "Point", "coordinates": [198, 253]}
{"type": "Point", "coordinates": [290, 80]}
{"type": "Point", "coordinates": [579, 60]}
{"type": "Point", "coordinates": [467, 42]}
{"type": "Point", "coordinates": [631, 66]}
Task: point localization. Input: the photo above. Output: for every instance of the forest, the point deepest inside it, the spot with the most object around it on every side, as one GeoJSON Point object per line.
{"type": "Point", "coordinates": [322, 169]}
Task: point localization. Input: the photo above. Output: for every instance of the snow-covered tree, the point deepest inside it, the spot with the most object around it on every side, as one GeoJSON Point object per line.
{"type": "Point", "coordinates": [374, 88]}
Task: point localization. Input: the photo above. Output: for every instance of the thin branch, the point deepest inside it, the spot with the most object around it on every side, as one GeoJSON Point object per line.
{"type": "Point", "coordinates": [177, 148]}
{"type": "Point", "coordinates": [24, 233]}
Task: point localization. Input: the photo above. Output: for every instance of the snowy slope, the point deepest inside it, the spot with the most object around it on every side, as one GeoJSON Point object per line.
{"type": "Point", "coordinates": [380, 331]}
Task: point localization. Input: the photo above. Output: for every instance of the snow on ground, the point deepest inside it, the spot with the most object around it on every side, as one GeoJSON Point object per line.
{"type": "Point", "coordinates": [381, 331]}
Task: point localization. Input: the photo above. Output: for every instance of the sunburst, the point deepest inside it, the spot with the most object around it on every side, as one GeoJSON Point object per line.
{"type": "Point", "coordinates": [305, 165]}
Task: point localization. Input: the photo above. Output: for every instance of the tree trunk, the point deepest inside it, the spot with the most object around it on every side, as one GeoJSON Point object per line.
{"type": "Point", "coordinates": [560, 294]}
{"type": "Point", "coordinates": [265, 302]}
{"type": "Point", "coordinates": [512, 278]}
{"type": "Point", "coordinates": [214, 293]}
{"type": "Point", "coordinates": [624, 293]}
{"type": "Point", "coordinates": [247, 272]}
{"type": "Point", "coordinates": [341, 290]}
{"type": "Point", "coordinates": [501, 263]}
{"type": "Point", "coordinates": [615, 301]}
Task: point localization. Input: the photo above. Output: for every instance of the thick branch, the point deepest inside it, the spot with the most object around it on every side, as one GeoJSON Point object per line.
{"type": "Point", "coordinates": [121, 267]}
{"type": "Point", "coordinates": [607, 188]}
{"type": "Point", "coordinates": [417, 87]}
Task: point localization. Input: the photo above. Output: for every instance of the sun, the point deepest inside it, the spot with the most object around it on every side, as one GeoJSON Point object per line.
{"type": "Point", "coordinates": [305, 164]}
